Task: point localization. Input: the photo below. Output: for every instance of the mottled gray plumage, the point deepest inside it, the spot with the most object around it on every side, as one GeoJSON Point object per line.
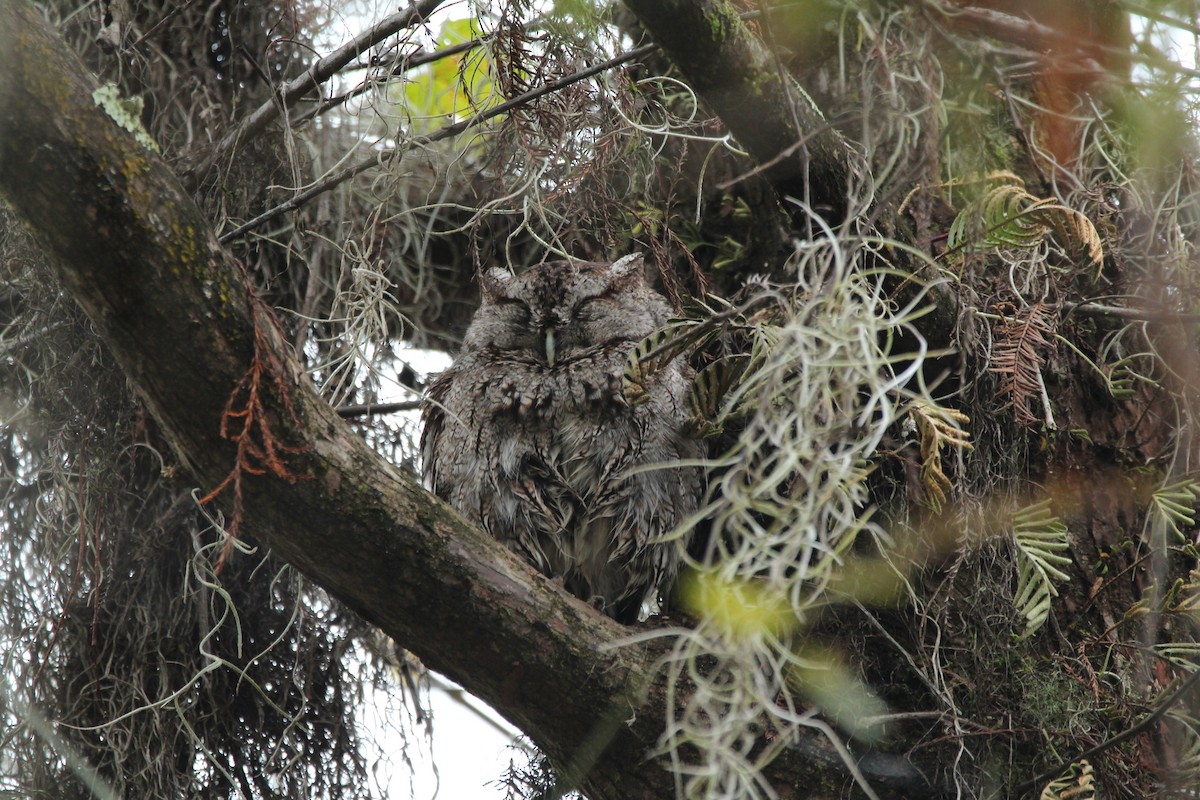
{"type": "Point", "coordinates": [530, 435]}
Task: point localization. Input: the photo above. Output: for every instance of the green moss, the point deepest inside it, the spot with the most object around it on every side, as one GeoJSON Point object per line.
{"type": "Point", "coordinates": [723, 23]}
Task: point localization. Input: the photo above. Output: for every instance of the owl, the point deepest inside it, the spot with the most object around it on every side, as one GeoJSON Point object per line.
{"type": "Point", "coordinates": [530, 435]}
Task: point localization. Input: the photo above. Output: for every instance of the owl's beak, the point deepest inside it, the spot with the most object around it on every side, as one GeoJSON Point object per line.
{"type": "Point", "coordinates": [549, 347]}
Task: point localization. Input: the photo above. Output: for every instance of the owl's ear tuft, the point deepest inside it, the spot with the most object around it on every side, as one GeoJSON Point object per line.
{"type": "Point", "coordinates": [630, 267]}
{"type": "Point", "coordinates": [494, 283]}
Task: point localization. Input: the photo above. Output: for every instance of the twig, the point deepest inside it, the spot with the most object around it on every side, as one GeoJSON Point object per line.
{"type": "Point", "coordinates": [442, 133]}
{"type": "Point", "coordinates": [1174, 22]}
{"type": "Point", "coordinates": [318, 73]}
{"type": "Point", "coordinates": [369, 409]}
{"type": "Point", "coordinates": [1165, 706]}
{"type": "Point", "coordinates": [166, 18]}
{"type": "Point", "coordinates": [1006, 27]}
{"type": "Point", "coordinates": [411, 62]}
{"type": "Point", "coordinates": [1042, 39]}
{"type": "Point", "coordinates": [1098, 310]}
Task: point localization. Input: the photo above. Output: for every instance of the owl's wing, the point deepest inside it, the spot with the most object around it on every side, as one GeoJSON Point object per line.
{"type": "Point", "coordinates": [549, 500]}
{"type": "Point", "coordinates": [433, 424]}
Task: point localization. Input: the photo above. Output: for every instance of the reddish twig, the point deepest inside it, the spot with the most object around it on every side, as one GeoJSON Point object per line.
{"type": "Point", "coordinates": [246, 421]}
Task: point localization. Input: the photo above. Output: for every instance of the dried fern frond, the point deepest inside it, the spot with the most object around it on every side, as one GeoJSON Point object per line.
{"type": "Point", "coordinates": [1018, 356]}
{"type": "Point", "coordinates": [1040, 538]}
{"type": "Point", "coordinates": [939, 427]}
{"type": "Point", "coordinates": [1075, 231]}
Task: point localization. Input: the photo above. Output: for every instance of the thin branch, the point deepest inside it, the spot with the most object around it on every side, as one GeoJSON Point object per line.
{"type": "Point", "coordinates": [1144, 315]}
{"type": "Point", "coordinates": [318, 73]}
{"type": "Point", "coordinates": [445, 132]}
{"type": "Point", "coordinates": [1025, 32]}
{"type": "Point", "coordinates": [1163, 707]}
{"type": "Point", "coordinates": [1174, 22]}
{"type": "Point", "coordinates": [417, 59]}
{"type": "Point", "coordinates": [370, 409]}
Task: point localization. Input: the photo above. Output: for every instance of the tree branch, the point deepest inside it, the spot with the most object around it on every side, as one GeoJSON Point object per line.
{"type": "Point", "coordinates": [763, 106]}
{"type": "Point", "coordinates": [324, 69]}
{"type": "Point", "coordinates": [444, 132]}
{"type": "Point", "coordinates": [398, 64]}
{"type": "Point", "coordinates": [138, 256]}
{"type": "Point", "coordinates": [768, 112]}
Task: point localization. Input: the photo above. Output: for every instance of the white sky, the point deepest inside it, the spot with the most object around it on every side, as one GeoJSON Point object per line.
{"type": "Point", "coordinates": [470, 750]}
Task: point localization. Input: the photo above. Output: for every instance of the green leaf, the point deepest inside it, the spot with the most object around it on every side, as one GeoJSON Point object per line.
{"type": "Point", "coordinates": [1040, 538]}
{"type": "Point", "coordinates": [1174, 506]}
{"type": "Point", "coordinates": [452, 88]}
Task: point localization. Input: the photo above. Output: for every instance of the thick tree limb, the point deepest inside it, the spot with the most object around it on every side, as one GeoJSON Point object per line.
{"type": "Point", "coordinates": [768, 112]}
{"type": "Point", "coordinates": [799, 152]}
{"type": "Point", "coordinates": [141, 260]}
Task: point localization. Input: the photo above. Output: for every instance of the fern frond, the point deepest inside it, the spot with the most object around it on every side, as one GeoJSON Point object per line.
{"type": "Point", "coordinates": [1118, 376]}
{"type": "Point", "coordinates": [938, 427]}
{"type": "Point", "coordinates": [652, 354]}
{"type": "Point", "coordinates": [1009, 216]}
{"type": "Point", "coordinates": [1187, 769]}
{"type": "Point", "coordinates": [1005, 216]}
{"type": "Point", "coordinates": [1040, 538]}
{"type": "Point", "coordinates": [1074, 229]}
{"type": "Point", "coordinates": [1077, 783]}
{"type": "Point", "coordinates": [1174, 506]}
{"type": "Point", "coordinates": [1017, 358]}
{"type": "Point", "coordinates": [708, 392]}
{"type": "Point", "coordinates": [1185, 597]}
{"type": "Point", "coordinates": [1181, 654]}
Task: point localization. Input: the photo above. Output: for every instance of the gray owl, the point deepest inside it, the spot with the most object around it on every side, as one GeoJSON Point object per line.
{"type": "Point", "coordinates": [530, 435]}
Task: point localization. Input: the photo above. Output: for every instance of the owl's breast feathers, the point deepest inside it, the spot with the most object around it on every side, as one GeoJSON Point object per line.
{"type": "Point", "coordinates": [547, 459]}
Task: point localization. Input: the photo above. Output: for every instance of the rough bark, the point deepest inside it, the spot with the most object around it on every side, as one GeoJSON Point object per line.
{"type": "Point", "coordinates": [768, 112]}
{"type": "Point", "coordinates": [139, 257]}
